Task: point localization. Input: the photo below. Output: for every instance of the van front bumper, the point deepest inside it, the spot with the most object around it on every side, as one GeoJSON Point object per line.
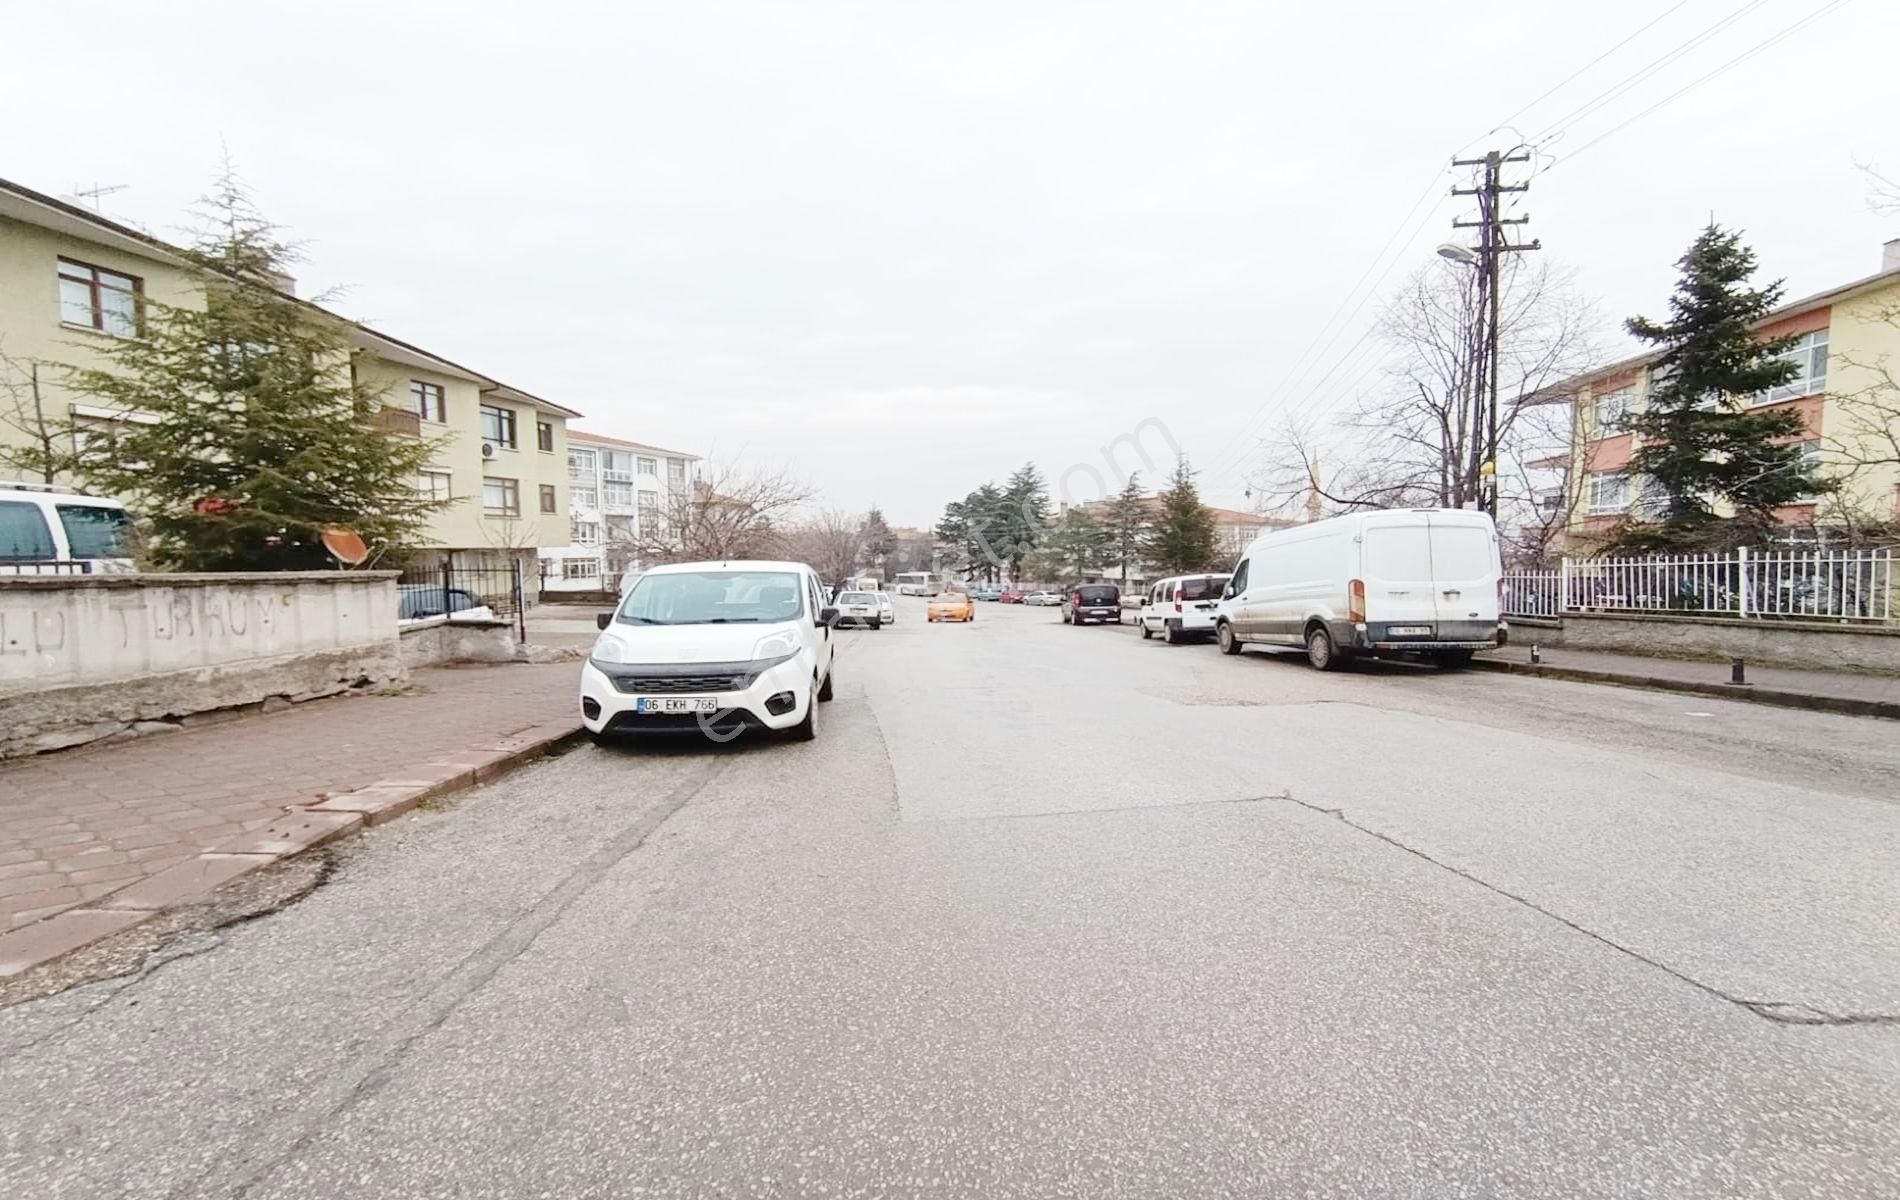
{"type": "Point", "coordinates": [605, 707]}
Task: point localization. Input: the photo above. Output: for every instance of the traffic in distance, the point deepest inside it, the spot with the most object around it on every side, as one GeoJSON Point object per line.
{"type": "Point", "coordinates": [723, 648]}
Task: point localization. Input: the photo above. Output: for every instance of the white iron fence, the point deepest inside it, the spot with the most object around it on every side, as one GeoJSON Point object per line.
{"type": "Point", "coordinates": [1828, 585]}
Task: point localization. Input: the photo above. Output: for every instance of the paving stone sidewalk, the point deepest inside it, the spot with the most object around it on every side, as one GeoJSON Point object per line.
{"type": "Point", "coordinates": [1839, 691]}
{"type": "Point", "coordinates": [78, 826]}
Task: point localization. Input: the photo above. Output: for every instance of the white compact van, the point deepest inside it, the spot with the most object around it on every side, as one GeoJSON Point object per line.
{"type": "Point", "coordinates": [1181, 606]}
{"type": "Point", "coordinates": [1415, 582]}
{"type": "Point", "coordinates": [49, 531]}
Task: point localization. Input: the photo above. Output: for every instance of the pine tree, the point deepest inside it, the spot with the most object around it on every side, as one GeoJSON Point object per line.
{"type": "Point", "coordinates": [1024, 516]}
{"type": "Point", "coordinates": [1074, 544]}
{"type": "Point", "coordinates": [878, 542]}
{"type": "Point", "coordinates": [1181, 536]}
{"type": "Point", "coordinates": [1698, 438]}
{"type": "Point", "coordinates": [1128, 523]}
{"type": "Point", "coordinates": [259, 434]}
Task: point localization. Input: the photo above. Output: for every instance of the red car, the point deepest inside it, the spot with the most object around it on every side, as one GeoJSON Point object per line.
{"type": "Point", "coordinates": [1011, 597]}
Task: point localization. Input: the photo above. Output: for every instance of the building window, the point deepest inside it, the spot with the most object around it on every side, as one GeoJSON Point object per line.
{"type": "Point", "coordinates": [580, 568]}
{"type": "Point", "coordinates": [618, 495]}
{"type": "Point", "coordinates": [544, 436]}
{"type": "Point", "coordinates": [434, 485]}
{"type": "Point", "coordinates": [617, 465]}
{"type": "Point", "coordinates": [498, 425]}
{"type": "Point", "coordinates": [1809, 356]}
{"type": "Point", "coordinates": [647, 466]}
{"type": "Point", "coordinates": [620, 529]}
{"type": "Point", "coordinates": [1609, 492]}
{"type": "Point", "coordinates": [676, 472]}
{"type": "Point", "coordinates": [1609, 410]}
{"type": "Point", "coordinates": [501, 497]}
{"type": "Point", "coordinates": [580, 465]}
{"type": "Point", "coordinates": [649, 508]}
{"type": "Point", "coordinates": [584, 533]}
{"type": "Point", "coordinates": [548, 503]}
{"type": "Point", "coordinates": [425, 400]}
{"type": "Point", "coordinates": [583, 497]}
{"type": "Point", "coordinates": [99, 299]}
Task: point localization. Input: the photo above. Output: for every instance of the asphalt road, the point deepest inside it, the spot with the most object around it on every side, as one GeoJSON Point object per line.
{"type": "Point", "coordinates": [1052, 912]}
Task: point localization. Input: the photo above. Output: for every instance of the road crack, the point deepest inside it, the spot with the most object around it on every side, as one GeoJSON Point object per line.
{"type": "Point", "coordinates": [1778, 1011]}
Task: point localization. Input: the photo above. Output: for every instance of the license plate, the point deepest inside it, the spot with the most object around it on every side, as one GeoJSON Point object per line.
{"type": "Point", "coordinates": [1409, 630]}
{"type": "Point", "coordinates": [675, 704]}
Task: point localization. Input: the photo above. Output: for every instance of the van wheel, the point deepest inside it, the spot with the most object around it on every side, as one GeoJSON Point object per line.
{"type": "Point", "coordinates": [1320, 650]}
{"type": "Point", "coordinates": [1146, 632]}
{"type": "Point", "coordinates": [824, 689]}
{"type": "Point", "coordinates": [876, 624]}
{"type": "Point", "coordinates": [1224, 634]}
{"type": "Point", "coordinates": [1452, 660]}
{"type": "Point", "coordinates": [807, 729]}
{"type": "Point", "coordinates": [1171, 634]}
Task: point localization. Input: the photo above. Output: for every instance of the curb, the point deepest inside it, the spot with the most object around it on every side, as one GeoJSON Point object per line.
{"type": "Point", "coordinates": [302, 827]}
{"type": "Point", "coordinates": [1727, 691]}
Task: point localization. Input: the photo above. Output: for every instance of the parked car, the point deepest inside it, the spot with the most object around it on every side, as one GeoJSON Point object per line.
{"type": "Point", "coordinates": [421, 601]}
{"type": "Point", "coordinates": [713, 648]}
{"type": "Point", "coordinates": [1414, 582]}
{"type": "Point", "coordinates": [886, 607]}
{"type": "Point", "coordinates": [859, 608]}
{"type": "Point", "coordinates": [1181, 607]}
{"type": "Point", "coordinates": [1011, 596]}
{"type": "Point", "coordinates": [1049, 599]}
{"type": "Point", "coordinates": [950, 606]}
{"type": "Point", "coordinates": [1092, 602]}
{"type": "Point", "coordinates": [47, 531]}
{"type": "Point", "coordinates": [987, 591]}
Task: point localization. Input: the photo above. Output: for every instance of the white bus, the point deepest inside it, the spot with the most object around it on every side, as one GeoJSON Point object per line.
{"type": "Point", "coordinates": [918, 583]}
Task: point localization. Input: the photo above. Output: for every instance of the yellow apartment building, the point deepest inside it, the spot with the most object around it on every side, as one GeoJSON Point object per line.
{"type": "Point", "coordinates": [71, 280]}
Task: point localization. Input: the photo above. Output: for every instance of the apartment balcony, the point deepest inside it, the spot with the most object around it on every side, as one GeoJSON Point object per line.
{"type": "Point", "coordinates": [397, 420]}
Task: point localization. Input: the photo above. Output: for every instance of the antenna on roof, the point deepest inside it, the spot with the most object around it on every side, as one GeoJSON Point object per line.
{"type": "Point", "coordinates": [97, 192]}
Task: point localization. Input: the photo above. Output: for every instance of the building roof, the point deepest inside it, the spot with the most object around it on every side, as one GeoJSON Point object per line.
{"type": "Point", "coordinates": [601, 439]}
{"type": "Point", "coordinates": [23, 204]}
{"type": "Point", "coordinates": [1563, 390]}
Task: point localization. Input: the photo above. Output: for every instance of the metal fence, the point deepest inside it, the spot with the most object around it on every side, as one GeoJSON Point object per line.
{"type": "Point", "coordinates": [44, 566]}
{"type": "Point", "coordinates": [492, 593]}
{"type": "Point", "coordinates": [1828, 585]}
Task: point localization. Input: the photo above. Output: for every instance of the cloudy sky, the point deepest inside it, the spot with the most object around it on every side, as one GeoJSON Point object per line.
{"type": "Point", "coordinates": [903, 247]}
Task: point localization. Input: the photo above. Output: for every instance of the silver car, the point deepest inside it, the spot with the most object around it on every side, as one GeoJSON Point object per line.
{"type": "Point", "coordinates": [886, 610]}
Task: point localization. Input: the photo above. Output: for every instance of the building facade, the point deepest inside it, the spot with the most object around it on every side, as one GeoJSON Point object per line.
{"type": "Point", "coordinates": [1846, 352]}
{"type": "Point", "coordinates": [617, 491]}
{"type": "Point", "coordinates": [72, 280]}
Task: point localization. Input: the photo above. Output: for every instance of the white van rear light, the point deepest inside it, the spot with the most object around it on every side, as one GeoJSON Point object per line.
{"type": "Point", "coordinates": [1356, 604]}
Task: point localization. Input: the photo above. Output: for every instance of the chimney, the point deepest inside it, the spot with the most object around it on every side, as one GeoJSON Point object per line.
{"type": "Point", "coordinates": [1890, 256]}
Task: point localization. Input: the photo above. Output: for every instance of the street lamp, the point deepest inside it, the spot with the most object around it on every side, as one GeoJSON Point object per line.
{"type": "Point", "coordinates": [1458, 254]}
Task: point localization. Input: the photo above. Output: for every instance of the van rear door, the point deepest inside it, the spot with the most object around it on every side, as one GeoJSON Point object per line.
{"type": "Point", "coordinates": [1464, 567]}
{"type": "Point", "coordinates": [1396, 567]}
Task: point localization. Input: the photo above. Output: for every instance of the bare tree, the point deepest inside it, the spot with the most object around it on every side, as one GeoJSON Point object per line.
{"type": "Point", "coordinates": [831, 542]}
{"type": "Point", "coordinates": [725, 513]}
{"type": "Point", "coordinates": [1420, 438]}
{"type": "Point", "coordinates": [33, 440]}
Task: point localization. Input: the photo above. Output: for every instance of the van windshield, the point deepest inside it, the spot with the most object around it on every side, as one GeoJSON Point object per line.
{"type": "Point", "coordinates": [711, 598]}
{"type": "Point", "coordinates": [95, 531]}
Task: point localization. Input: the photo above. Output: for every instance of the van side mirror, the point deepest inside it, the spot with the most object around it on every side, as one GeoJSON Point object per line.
{"type": "Point", "coordinates": [828, 615]}
{"type": "Point", "coordinates": [1227, 593]}
{"type": "Point", "coordinates": [602, 620]}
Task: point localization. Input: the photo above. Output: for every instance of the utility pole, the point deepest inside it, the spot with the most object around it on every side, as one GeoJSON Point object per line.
{"type": "Point", "coordinates": [1493, 244]}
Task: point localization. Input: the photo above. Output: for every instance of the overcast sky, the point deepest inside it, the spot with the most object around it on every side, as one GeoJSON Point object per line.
{"type": "Point", "coordinates": [903, 247]}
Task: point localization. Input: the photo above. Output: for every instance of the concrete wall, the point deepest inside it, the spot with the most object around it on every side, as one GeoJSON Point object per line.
{"type": "Point", "coordinates": [90, 656]}
{"type": "Point", "coordinates": [1811, 645]}
{"type": "Point", "coordinates": [427, 643]}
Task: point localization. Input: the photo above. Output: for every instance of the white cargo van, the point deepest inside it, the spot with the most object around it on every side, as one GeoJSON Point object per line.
{"type": "Point", "coordinates": [1414, 582]}
{"type": "Point", "coordinates": [49, 531]}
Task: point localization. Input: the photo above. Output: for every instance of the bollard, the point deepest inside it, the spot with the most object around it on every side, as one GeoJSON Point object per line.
{"type": "Point", "coordinates": [1536, 655]}
{"type": "Point", "coordinates": [1737, 671]}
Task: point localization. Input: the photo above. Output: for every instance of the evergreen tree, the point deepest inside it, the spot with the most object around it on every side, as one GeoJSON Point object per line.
{"type": "Point", "coordinates": [1024, 516]}
{"type": "Point", "coordinates": [878, 542]}
{"type": "Point", "coordinates": [1128, 523]}
{"type": "Point", "coordinates": [1698, 438]}
{"type": "Point", "coordinates": [259, 435]}
{"type": "Point", "coordinates": [1181, 537]}
{"type": "Point", "coordinates": [1074, 544]}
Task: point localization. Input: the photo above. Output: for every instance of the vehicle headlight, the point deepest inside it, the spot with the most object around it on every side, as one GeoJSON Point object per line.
{"type": "Point", "coordinates": [610, 649]}
{"type": "Point", "coordinates": [775, 649]}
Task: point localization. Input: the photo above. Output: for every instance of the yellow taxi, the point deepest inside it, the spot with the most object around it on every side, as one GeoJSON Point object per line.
{"type": "Point", "coordinates": [950, 606]}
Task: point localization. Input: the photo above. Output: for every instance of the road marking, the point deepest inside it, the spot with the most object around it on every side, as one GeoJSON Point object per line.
{"type": "Point", "coordinates": [1698, 714]}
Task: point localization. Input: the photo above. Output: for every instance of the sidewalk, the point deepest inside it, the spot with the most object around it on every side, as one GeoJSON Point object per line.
{"type": "Point", "coordinates": [126, 828]}
{"type": "Point", "coordinates": [1824, 691]}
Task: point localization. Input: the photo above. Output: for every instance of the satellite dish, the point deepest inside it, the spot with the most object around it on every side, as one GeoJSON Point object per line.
{"type": "Point", "coordinates": [345, 545]}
